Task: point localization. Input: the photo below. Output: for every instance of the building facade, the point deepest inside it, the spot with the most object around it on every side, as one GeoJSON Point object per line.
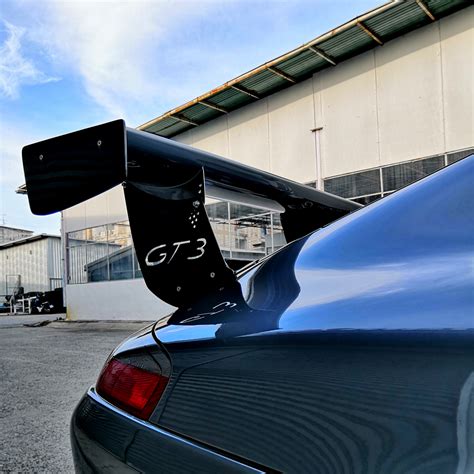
{"type": "Point", "coordinates": [33, 263]}
{"type": "Point", "coordinates": [9, 234]}
{"type": "Point", "coordinates": [361, 128]}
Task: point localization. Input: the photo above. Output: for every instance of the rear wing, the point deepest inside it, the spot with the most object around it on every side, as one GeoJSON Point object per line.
{"type": "Point", "coordinates": [165, 186]}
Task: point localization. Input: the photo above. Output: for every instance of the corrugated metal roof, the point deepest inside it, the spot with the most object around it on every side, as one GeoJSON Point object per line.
{"type": "Point", "coordinates": [26, 240]}
{"type": "Point", "coordinates": [364, 32]}
{"type": "Point", "coordinates": [299, 65]}
{"type": "Point", "coordinates": [347, 43]}
{"type": "Point", "coordinates": [14, 228]}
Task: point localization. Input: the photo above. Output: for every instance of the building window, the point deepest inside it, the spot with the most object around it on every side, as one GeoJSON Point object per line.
{"type": "Point", "coordinates": [356, 184]}
{"type": "Point", "coordinates": [401, 175]}
{"type": "Point", "coordinates": [101, 253]}
{"type": "Point", "coordinates": [459, 155]}
{"type": "Point", "coordinates": [105, 253]}
{"type": "Point", "coordinates": [245, 233]}
{"type": "Point", "coordinates": [368, 186]}
{"type": "Point", "coordinates": [121, 254]}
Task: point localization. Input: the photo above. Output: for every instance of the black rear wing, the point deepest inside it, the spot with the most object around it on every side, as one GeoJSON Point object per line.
{"type": "Point", "coordinates": [165, 186]}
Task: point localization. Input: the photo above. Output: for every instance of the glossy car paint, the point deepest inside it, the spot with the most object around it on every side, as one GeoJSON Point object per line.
{"type": "Point", "coordinates": [350, 350]}
{"type": "Point", "coordinates": [105, 438]}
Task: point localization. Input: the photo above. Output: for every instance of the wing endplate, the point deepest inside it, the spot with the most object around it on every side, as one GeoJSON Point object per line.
{"type": "Point", "coordinates": [66, 170]}
{"type": "Point", "coordinates": [176, 248]}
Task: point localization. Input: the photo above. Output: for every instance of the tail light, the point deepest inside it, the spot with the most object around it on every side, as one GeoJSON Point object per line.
{"type": "Point", "coordinates": [134, 382]}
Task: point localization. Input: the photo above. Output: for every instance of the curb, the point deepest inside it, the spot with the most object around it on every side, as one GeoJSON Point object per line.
{"type": "Point", "coordinates": [96, 324]}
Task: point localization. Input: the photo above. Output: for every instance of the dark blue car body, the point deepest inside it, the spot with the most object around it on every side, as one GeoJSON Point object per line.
{"type": "Point", "coordinates": [349, 350]}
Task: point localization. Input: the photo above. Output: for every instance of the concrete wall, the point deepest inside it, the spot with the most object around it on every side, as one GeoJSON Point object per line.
{"type": "Point", "coordinates": [117, 300]}
{"type": "Point", "coordinates": [409, 99]}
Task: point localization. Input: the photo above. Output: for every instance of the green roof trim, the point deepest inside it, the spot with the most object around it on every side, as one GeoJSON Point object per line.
{"type": "Point", "coordinates": [361, 34]}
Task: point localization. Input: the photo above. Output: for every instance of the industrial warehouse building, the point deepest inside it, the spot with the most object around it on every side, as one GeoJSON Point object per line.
{"type": "Point", "coordinates": [8, 234]}
{"type": "Point", "coordinates": [360, 112]}
{"type": "Point", "coordinates": [33, 263]}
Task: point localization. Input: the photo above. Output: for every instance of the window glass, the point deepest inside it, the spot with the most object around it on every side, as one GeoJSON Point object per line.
{"type": "Point", "coordinates": [399, 176]}
{"type": "Point", "coordinates": [248, 234]}
{"type": "Point", "coordinates": [249, 227]}
{"type": "Point", "coordinates": [217, 210]}
{"type": "Point", "coordinates": [354, 185]}
{"type": "Point", "coordinates": [106, 252]}
{"type": "Point", "coordinates": [459, 155]}
{"type": "Point", "coordinates": [77, 260]}
{"type": "Point", "coordinates": [120, 251]}
{"type": "Point", "coordinates": [77, 238]}
{"type": "Point", "coordinates": [241, 210]}
{"type": "Point", "coordinates": [87, 255]}
{"type": "Point", "coordinates": [276, 240]}
{"type": "Point", "coordinates": [97, 265]}
{"type": "Point", "coordinates": [96, 234]}
{"type": "Point", "coordinates": [136, 267]}
{"type": "Point", "coordinates": [121, 264]}
{"type": "Point", "coordinates": [218, 213]}
{"type": "Point", "coordinates": [100, 253]}
{"type": "Point", "coordinates": [367, 199]}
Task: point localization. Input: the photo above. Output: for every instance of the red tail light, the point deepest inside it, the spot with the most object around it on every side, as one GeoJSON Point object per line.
{"type": "Point", "coordinates": [134, 384]}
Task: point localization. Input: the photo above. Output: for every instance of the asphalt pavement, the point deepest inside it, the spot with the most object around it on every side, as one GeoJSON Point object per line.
{"type": "Point", "coordinates": [44, 371]}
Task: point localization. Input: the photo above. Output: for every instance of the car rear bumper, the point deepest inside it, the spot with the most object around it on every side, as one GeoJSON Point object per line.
{"type": "Point", "coordinates": [106, 439]}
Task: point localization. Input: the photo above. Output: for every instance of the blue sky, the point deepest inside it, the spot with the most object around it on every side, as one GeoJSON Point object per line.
{"type": "Point", "coordinates": [66, 65]}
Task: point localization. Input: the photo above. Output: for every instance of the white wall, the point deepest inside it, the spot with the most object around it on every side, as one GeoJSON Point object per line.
{"type": "Point", "coordinates": [291, 142]}
{"type": "Point", "coordinates": [457, 44]}
{"type": "Point", "coordinates": [410, 105]}
{"type": "Point", "coordinates": [106, 208]}
{"type": "Point", "coordinates": [114, 300]}
{"type": "Point", "coordinates": [411, 98]}
{"type": "Point", "coordinates": [347, 113]}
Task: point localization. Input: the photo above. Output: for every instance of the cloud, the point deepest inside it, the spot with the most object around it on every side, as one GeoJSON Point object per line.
{"type": "Point", "coordinates": [118, 49]}
{"type": "Point", "coordinates": [136, 59]}
{"type": "Point", "coordinates": [15, 68]}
